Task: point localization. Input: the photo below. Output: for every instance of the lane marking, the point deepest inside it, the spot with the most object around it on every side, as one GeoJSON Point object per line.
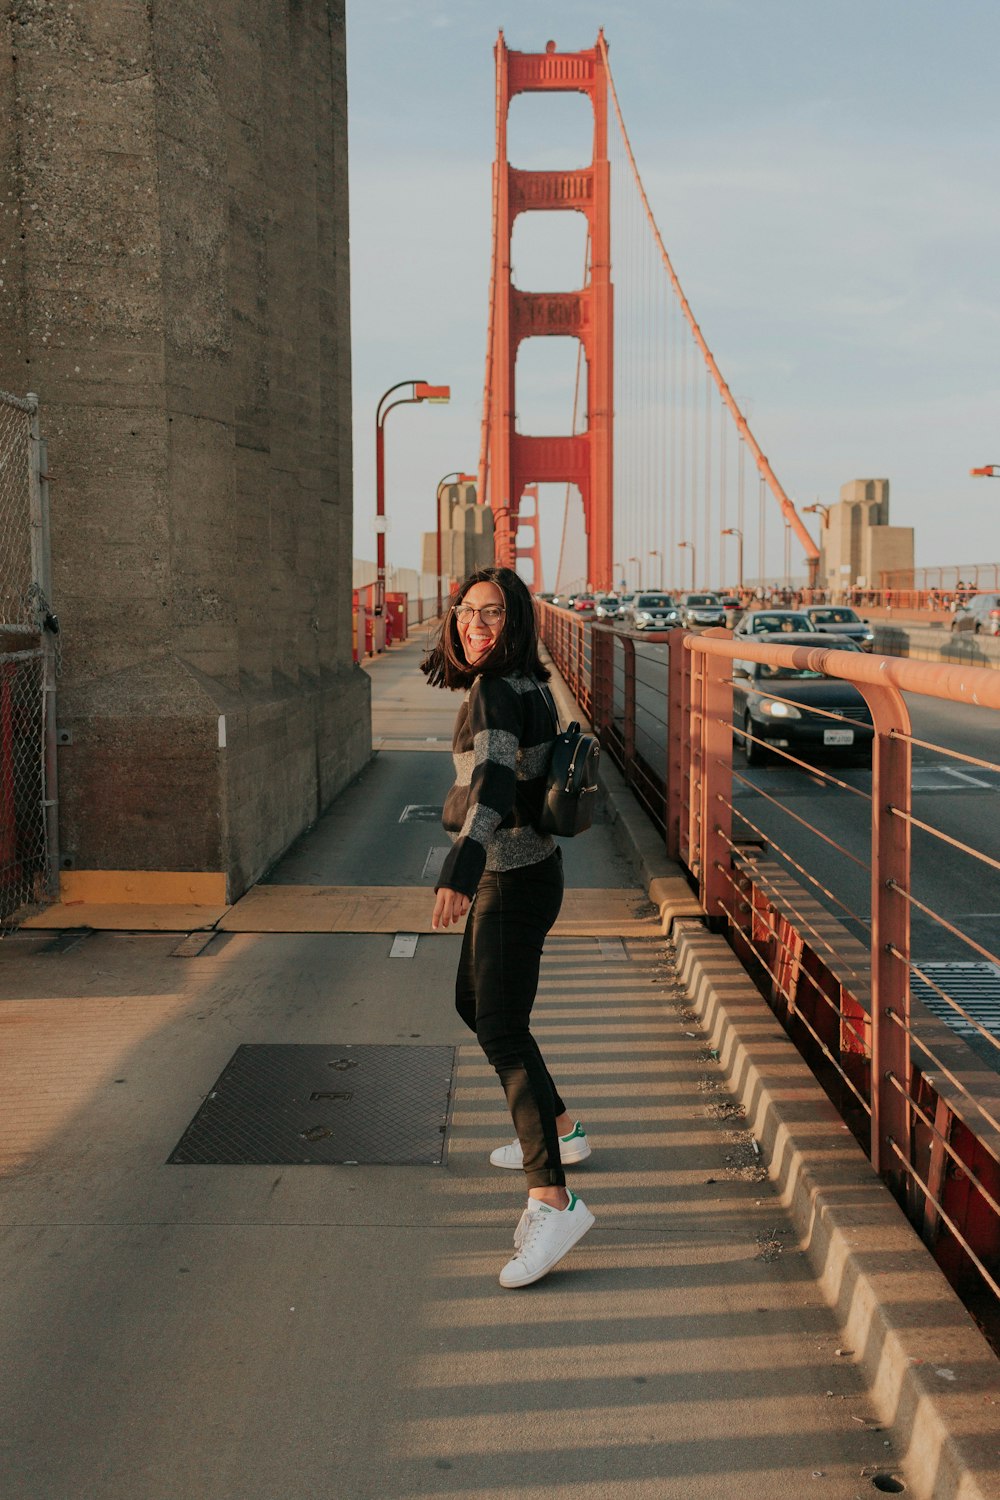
{"type": "Point", "coordinates": [435, 859]}
{"type": "Point", "coordinates": [404, 945]}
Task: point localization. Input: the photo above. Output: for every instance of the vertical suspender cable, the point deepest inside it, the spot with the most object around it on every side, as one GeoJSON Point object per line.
{"type": "Point", "coordinates": [764, 468]}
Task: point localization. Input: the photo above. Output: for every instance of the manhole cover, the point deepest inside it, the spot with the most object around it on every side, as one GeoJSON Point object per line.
{"type": "Point", "coordinates": [275, 1106]}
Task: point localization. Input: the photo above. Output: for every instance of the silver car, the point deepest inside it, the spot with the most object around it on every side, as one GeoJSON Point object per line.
{"type": "Point", "coordinates": [838, 619]}
{"type": "Point", "coordinates": [980, 614]}
{"type": "Point", "coordinates": [764, 621]}
{"type": "Point", "coordinates": [699, 611]}
{"type": "Point", "coordinates": [652, 612]}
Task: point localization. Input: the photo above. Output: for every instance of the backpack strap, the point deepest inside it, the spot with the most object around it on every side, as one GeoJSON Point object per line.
{"type": "Point", "coordinates": [551, 703]}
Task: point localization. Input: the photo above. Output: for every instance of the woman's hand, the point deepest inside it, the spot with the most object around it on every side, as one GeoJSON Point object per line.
{"type": "Point", "coordinates": [449, 906]}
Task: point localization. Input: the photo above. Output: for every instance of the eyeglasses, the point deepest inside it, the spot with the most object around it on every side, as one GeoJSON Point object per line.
{"type": "Point", "coordinates": [491, 614]}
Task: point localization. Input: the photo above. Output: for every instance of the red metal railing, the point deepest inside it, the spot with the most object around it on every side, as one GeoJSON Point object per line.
{"type": "Point", "coordinates": [770, 863]}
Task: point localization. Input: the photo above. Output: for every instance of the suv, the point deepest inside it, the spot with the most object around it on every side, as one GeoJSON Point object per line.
{"type": "Point", "coordinates": [651, 612]}
{"type": "Point", "coordinates": [701, 610]}
{"type": "Point", "coordinates": [981, 614]}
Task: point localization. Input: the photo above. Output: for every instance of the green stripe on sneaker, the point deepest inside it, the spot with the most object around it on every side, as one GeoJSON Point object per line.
{"type": "Point", "coordinates": [576, 1132]}
{"type": "Point", "coordinates": [573, 1201]}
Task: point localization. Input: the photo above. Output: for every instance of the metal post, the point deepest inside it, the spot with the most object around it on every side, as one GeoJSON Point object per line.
{"type": "Point", "coordinates": [379, 516]}
{"type": "Point", "coordinates": [628, 727]}
{"type": "Point", "coordinates": [695, 740]}
{"type": "Point", "coordinates": [41, 577]}
{"type": "Point", "coordinates": [716, 781]}
{"type": "Point", "coordinates": [602, 670]}
{"type": "Point", "coordinates": [677, 677]}
{"type": "Point", "coordinates": [440, 604]}
{"type": "Point", "coordinates": [891, 760]}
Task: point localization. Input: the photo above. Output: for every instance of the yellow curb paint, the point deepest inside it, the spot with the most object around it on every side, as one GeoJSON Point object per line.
{"type": "Point", "coordinates": [608, 912]}
{"type": "Point", "coordinates": [138, 916]}
{"type": "Point", "coordinates": [144, 887]}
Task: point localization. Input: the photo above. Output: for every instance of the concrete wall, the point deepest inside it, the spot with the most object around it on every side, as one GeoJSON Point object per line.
{"type": "Point", "coordinates": [886, 549]}
{"type": "Point", "coordinates": [174, 194]}
{"type": "Point", "coordinates": [857, 542]}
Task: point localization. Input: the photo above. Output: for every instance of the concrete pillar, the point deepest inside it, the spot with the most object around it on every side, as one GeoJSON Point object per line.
{"type": "Point", "coordinates": [174, 221]}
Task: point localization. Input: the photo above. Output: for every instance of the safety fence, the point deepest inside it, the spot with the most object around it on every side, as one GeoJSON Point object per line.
{"type": "Point", "coordinates": [28, 631]}
{"type": "Point", "coordinates": [851, 852]}
{"type": "Point", "coordinates": [944, 582]}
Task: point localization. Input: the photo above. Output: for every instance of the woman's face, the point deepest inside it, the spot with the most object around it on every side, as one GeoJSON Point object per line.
{"type": "Point", "coordinates": [479, 636]}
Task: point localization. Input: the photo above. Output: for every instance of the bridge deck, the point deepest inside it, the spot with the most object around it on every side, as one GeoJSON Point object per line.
{"type": "Point", "coordinates": [295, 1331]}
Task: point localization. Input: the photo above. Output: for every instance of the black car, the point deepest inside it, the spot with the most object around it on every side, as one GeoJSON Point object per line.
{"type": "Point", "coordinates": [838, 619]}
{"type": "Point", "coordinates": [699, 611]}
{"type": "Point", "coordinates": [780, 705]}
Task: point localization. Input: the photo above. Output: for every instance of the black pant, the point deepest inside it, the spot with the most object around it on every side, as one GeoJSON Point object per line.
{"type": "Point", "coordinates": [495, 990]}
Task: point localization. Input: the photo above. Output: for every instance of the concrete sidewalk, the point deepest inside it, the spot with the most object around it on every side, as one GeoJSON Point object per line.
{"type": "Point", "coordinates": [297, 1332]}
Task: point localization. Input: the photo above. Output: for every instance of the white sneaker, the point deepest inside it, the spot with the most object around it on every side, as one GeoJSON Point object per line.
{"type": "Point", "coordinates": [572, 1148]}
{"type": "Point", "coordinates": [546, 1235]}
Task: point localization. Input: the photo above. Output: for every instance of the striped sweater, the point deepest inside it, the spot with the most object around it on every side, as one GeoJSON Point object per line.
{"type": "Point", "coordinates": [502, 747]}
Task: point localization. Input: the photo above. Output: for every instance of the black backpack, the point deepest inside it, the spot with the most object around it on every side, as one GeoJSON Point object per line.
{"type": "Point", "coordinates": [571, 781]}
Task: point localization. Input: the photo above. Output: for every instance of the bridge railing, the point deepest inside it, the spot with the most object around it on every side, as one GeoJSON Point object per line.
{"type": "Point", "coordinates": [813, 878]}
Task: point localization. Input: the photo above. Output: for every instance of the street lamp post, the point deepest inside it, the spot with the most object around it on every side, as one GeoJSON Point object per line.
{"type": "Point", "coordinates": [738, 534]}
{"type": "Point", "coordinates": [653, 553]}
{"type": "Point", "coordinates": [618, 572]}
{"type": "Point", "coordinates": [460, 478]}
{"type": "Point", "coordinates": [694, 569]}
{"type": "Point", "coordinates": [824, 511]}
{"type": "Point", "coordinates": [638, 571]}
{"type": "Point", "coordinates": [421, 391]}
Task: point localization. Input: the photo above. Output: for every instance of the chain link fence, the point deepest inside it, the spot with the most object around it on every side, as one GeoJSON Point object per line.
{"type": "Point", "coordinates": [28, 632]}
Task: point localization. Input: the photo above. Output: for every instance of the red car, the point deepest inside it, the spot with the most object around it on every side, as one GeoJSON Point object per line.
{"type": "Point", "coordinates": [584, 604]}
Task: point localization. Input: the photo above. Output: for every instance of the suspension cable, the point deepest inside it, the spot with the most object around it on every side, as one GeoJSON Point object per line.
{"type": "Point", "coordinates": [767, 473]}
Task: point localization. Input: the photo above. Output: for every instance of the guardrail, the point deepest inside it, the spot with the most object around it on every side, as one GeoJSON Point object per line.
{"type": "Point", "coordinates": [787, 867]}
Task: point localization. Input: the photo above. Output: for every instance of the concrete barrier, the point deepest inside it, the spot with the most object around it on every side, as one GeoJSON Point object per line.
{"type": "Point", "coordinates": [936, 643]}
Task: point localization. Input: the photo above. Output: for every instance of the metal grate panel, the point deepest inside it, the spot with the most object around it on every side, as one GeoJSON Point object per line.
{"type": "Point", "coordinates": [976, 987]}
{"type": "Point", "coordinates": [321, 1105]}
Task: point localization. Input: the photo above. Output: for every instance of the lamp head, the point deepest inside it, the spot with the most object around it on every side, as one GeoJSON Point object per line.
{"type": "Point", "coordinates": [436, 394]}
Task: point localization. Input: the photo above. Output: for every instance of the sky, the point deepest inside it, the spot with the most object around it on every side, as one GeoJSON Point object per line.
{"type": "Point", "coordinates": [825, 177]}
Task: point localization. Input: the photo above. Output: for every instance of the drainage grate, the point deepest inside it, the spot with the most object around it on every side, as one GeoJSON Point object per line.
{"type": "Point", "coordinates": [975, 986]}
{"type": "Point", "coordinates": [65, 942]}
{"type": "Point", "coordinates": [420, 812]}
{"type": "Point", "coordinates": [311, 1105]}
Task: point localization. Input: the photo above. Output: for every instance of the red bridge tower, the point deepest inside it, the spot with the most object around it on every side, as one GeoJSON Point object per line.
{"type": "Point", "coordinates": [508, 460]}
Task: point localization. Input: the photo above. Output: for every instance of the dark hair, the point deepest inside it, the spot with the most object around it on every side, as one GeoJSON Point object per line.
{"type": "Point", "coordinates": [516, 648]}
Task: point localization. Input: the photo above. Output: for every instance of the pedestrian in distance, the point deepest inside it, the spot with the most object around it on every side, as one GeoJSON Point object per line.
{"type": "Point", "coordinates": [508, 878]}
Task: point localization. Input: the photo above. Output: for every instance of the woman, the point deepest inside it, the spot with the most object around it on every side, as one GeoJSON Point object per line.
{"type": "Point", "coordinates": [510, 875]}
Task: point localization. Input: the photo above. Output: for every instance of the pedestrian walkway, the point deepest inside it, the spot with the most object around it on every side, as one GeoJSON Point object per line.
{"type": "Point", "coordinates": [337, 1332]}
